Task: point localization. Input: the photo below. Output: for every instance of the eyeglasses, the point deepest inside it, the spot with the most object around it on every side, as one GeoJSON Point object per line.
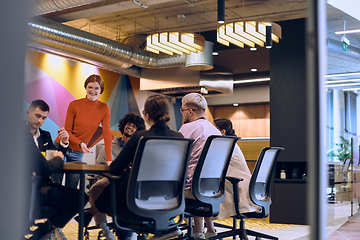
{"type": "Point", "coordinates": [185, 109]}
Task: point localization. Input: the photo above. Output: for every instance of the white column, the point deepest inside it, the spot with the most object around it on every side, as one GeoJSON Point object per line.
{"type": "Point", "coordinates": [358, 114]}
{"type": "Point", "coordinates": [339, 110]}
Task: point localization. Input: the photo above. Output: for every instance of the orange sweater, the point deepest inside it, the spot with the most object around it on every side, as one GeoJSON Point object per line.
{"type": "Point", "coordinates": [82, 120]}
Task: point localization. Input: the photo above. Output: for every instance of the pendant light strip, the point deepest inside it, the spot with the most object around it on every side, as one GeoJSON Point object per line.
{"type": "Point", "coordinates": [248, 33]}
{"type": "Point", "coordinates": [175, 43]}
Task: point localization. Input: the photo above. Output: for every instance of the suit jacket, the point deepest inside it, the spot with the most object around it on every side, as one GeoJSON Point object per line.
{"type": "Point", "coordinates": [46, 143]}
{"type": "Point", "coordinates": [38, 162]}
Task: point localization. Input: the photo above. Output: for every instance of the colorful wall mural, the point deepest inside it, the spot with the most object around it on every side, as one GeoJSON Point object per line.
{"type": "Point", "coordinates": [59, 81]}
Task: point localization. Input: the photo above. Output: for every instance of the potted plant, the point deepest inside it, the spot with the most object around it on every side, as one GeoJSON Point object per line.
{"type": "Point", "coordinates": [343, 151]}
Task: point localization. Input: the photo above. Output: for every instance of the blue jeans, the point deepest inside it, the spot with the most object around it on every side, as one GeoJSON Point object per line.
{"type": "Point", "coordinates": [71, 180]}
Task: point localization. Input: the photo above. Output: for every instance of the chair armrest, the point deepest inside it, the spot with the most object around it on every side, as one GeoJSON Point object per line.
{"type": "Point", "coordinates": [235, 182]}
{"type": "Point", "coordinates": [110, 176]}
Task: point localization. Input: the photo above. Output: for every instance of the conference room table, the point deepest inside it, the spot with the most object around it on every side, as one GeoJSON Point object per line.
{"type": "Point", "coordinates": [82, 169]}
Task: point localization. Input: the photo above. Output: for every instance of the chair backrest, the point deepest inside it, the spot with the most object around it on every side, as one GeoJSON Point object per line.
{"type": "Point", "coordinates": [208, 180]}
{"type": "Point", "coordinates": [157, 179]}
{"type": "Point", "coordinates": [259, 188]}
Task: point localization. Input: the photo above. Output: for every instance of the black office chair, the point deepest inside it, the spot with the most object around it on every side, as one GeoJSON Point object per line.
{"type": "Point", "coordinates": [37, 212]}
{"type": "Point", "coordinates": [155, 193]}
{"type": "Point", "coordinates": [259, 191]}
{"type": "Point", "coordinates": [208, 181]}
{"type": "Point", "coordinates": [331, 183]}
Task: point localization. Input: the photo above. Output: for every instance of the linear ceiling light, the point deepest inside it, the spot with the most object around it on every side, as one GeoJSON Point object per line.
{"type": "Point", "coordinates": [342, 81]}
{"type": "Point", "coordinates": [348, 31]}
{"type": "Point", "coordinates": [351, 89]}
{"type": "Point", "coordinates": [175, 42]}
{"type": "Point", "coordinates": [248, 33]}
{"type": "Point", "coordinates": [221, 11]}
{"type": "Point", "coordinates": [251, 80]}
{"type": "Point", "coordinates": [342, 74]}
{"type": "Point", "coordinates": [342, 85]}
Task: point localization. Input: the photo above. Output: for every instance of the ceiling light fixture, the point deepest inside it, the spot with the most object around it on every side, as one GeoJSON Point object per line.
{"type": "Point", "coordinates": [253, 49]}
{"type": "Point", "coordinates": [343, 85]}
{"type": "Point", "coordinates": [348, 31]}
{"type": "Point", "coordinates": [268, 37]}
{"type": "Point", "coordinates": [235, 104]}
{"type": "Point", "coordinates": [251, 80]}
{"type": "Point", "coordinates": [351, 89]}
{"type": "Point", "coordinates": [248, 33]}
{"type": "Point", "coordinates": [221, 11]}
{"type": "Point", "coordinates": [342, 74]}
{"type": "Point", "coordinates": [254, 69]}
{"type": "Point", "coordinates": [215, 53]}
{"type": "Point", "coordinates": [342, 81]}
{"type": "Point", "coordinates": [203, 90]}
{"type": "Point", "coordinates": [175, 42]}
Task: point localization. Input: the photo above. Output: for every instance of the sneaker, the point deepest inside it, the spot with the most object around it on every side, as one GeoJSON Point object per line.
{"type": "Point", "coordinates": [59, 235]}
{"type": "Point", "coordinates": [209, 235]}
{"type": "Point", "coordinates": [172, 234]}
{"type": "Point", "coordinates": [133, 236]}
{"type": "Point", "coordinates": [199, 235]}
{"type": "Point", "coordinates": [106, 231]}
{"type": "Point", "coordinates": [108, 235]}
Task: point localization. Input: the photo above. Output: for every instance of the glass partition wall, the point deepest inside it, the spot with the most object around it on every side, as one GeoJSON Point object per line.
{"type": "Point", "coordinates": [342, 85]}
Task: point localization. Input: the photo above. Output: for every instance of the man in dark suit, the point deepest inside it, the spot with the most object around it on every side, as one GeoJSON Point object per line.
{"type": "Point", "coordinates": [35, 118]}
{"type": "Point", "coordinates": [63, 199]}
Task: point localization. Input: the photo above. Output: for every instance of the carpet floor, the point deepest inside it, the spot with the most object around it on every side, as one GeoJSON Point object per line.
{"type": "Point", "coordinates": [71, 229]}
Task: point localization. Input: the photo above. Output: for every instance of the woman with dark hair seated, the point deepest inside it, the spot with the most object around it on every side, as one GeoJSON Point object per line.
{"type": "Point", "coordinates": [156, 114]}
{"type": "Point", "coordinates": [237, 167]}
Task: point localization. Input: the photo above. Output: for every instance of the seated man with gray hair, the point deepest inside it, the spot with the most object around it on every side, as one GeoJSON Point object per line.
{"type": "Point", "coordinates": [197, 127]}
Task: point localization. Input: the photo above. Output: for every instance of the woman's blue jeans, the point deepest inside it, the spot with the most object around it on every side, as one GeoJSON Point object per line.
{"type": "Point", "coordinates": [71, 179]}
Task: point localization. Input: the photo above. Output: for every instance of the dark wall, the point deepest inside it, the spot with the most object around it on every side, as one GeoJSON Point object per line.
{"type": "Point", "coordinates": [287, 123]}
{"type": "Point", "coordinates": [287, 91]}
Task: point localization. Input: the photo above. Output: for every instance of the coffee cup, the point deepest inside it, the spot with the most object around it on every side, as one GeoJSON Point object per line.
{"type": "Point", "coordinates": [49, 154]}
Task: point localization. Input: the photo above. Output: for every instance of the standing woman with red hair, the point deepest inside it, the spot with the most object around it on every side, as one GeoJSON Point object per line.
{"type": "Point", "coordinates": [83, 118]}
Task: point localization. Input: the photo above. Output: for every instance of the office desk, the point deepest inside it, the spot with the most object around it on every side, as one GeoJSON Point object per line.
{"type": "Point", "coordinates": [82, 169]}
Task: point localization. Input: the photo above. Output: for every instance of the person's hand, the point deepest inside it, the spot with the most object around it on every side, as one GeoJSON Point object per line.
{"type": "Point", "coordinates": [63, 135]}
{"type": "Point", "coordinates": [84, 148]}
{"type": "Point", "coordinates": [58, 154]}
